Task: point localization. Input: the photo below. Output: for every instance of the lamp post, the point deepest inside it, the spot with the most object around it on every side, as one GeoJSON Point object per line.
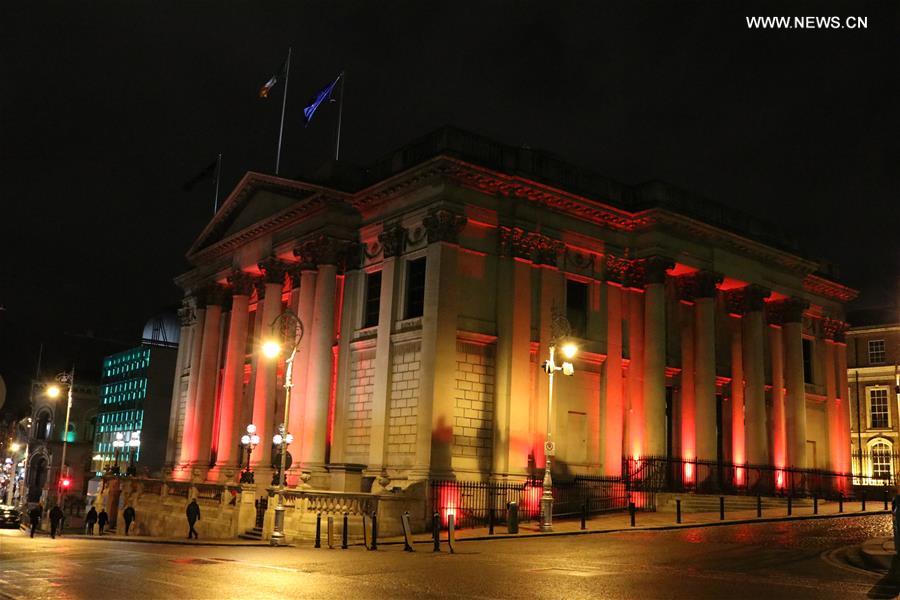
{"type": "Point", "coordinates": [134, 444]}
{"type": "Point", "coordinates": [291, 329]}
{"type": "Point", "coordinates": [118, 444]}
{"type": "Point", "coordinates": [67, 379]}
{"type": "Point", "coordinates": [568, 351]}
{"type": "Point", "coordinates": [249, 441]}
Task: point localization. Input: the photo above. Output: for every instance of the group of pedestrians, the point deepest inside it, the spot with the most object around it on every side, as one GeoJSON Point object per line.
{"type": "Point", "coordinates": [92, 519]}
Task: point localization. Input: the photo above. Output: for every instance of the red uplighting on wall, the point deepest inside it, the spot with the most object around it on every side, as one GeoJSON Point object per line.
{"type": "Point", "coordinates": [531, 498]}
{"type": "Point", "coordinates": [688, 473]}
{"type": "Point", "coordinates": [779, 479]}
{"type": "Point", "coordinates": [448, 500]}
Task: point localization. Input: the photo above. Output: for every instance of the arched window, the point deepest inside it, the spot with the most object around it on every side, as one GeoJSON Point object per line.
{"type": "Point", "coordinates": [42, 426]}
{"type": "Point", "coordinates": [881, 452]}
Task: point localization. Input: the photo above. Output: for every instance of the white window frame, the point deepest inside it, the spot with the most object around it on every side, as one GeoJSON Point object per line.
{"type": "Point", "coordinates": [870, 446]}
{"type": "Point", "coordinates": [869, 392]}
{"type": "Point", "coordinates": [883, 352]}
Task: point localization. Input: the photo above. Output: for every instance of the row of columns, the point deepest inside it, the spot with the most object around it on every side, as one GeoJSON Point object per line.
{"type": "Point", "coordinates": [214, 408]}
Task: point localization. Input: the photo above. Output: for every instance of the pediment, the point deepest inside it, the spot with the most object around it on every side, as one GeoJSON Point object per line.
{"type": "Point", "coordinates": [257, 199]}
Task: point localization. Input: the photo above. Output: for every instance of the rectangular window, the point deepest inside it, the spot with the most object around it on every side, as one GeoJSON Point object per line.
{"type": "Point", "coordinates": [876, 352]}
{"type": "Point", "coordinates": [807, 361]}
{"type": "Point", "coordinates": [373, 299]}
{"type": "Point", "coordinates": [577, 306]}
{"type": "Point", "coordinates": [878, 408]}
{"type": "Point", "coordinates": [415, 288]}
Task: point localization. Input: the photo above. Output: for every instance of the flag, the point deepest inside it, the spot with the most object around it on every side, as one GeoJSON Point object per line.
{"type": "Point", "coordinates": [318, 99]}
{"type": "Point", "coordinates": [208, 172]}
{"type": "Point", "coordinates": [267, 86]}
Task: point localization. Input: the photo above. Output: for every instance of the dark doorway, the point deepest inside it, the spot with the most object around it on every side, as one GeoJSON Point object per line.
{"type": "Point", "coordinates": [37, 477]}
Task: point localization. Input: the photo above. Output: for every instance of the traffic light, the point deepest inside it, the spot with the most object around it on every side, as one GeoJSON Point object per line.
{"type": "Point", "coordinates": [66, 482]}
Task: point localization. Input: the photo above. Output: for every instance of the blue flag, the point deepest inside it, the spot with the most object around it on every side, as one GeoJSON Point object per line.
{"type": "Point", "coordinates": [318, 99]}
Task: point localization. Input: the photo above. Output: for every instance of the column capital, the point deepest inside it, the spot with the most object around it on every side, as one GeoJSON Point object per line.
{"type": "Point", "coordinates": [789, 310]}
{"type": "Point", "coordinates": [187, 314]}
{"type": "Point", "coordinates": [241, 283]}
{"type": "Point", "coordinates": [273, 269]}
{"type": "Point", "coordinates": [392, 240]}
{"type": "Point", "coordinates": [834, 329]}
{"type": "Point", "coordinates": [749, 298]}
{"type": "Point", "coordinates": [536, 247]}
{"type": "Point", "coordinates": [444, 226]}
{"type": "Point", "coordinates": [620, 270]}
{"type": "Point", "coordinates": [700, 284]}
{"type": "Point", "coordinates": [328, 250]}
{"type": "Point", "coordinates": [212, 294]}
{"type": "Point", "coordinates": [655, 268]}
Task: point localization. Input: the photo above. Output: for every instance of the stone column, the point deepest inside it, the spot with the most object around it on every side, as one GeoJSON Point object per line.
{"type": "Point", "coordinates": [635, 375]}
{"type": "Point", "coordinates": [437, 370]}
{"type": "Point", "coordinates": [187, 316]}
{"type": "Point", "coordinates": [688, 396]}
{"type": "Point", "coordinates": [840, 350]}
{"type": "Point", "coordinates": [393, 242]}
{"type": "Point", "coordinates": [836, 437]}
{"type": "Point", "coordinates": [305, 306]}
{"type": "Point", "coordinates": [269, 290]}
{"type": "Point", "coordinates": [227, 446]}
{"type": "Point", "coordinates": [654, 388]}
{"type": "Point", "coordinates": [779, 433]}
{"type": "Point", "coordinates": [705, 363]}
{"type": "Point", "coordinates": [757, 446]}
{"type": "Point", "coordinates": [794, 382]}
{"type": "Point", "coordinates": [208, 377]}
{"type": "Point", "coordinates": [738, 454]}
{"type": "Point", "coordinates": [188, 439]}
{"type": "Point", "coordinates": [614, 420]}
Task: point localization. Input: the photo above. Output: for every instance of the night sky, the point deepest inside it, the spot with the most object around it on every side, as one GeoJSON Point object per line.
{"type": "Point", "coordinates": [108, 108]}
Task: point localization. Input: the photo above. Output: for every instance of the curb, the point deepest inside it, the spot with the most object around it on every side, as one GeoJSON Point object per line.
{"type": "Point", "coordinates": [507, 536]}
{"type": "Point", "coordinates": [876, 555]}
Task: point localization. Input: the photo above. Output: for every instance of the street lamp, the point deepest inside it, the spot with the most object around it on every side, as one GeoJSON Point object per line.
{"type": "Point", "coordinates": [291, 329]}
{"type": "Point", "coordinates": [118, 444]}
{"type": "Point", "coordinates": [54, 391]}
{"type": "Point", "coordinates": [134, 443]}
{"type": "Point", "coordinates": [250, 441]}
{"type": "Point", "coordinates": [568, 351]}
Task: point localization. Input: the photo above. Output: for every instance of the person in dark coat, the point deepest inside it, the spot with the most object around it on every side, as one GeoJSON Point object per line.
{"type": "Point", "coordinates": [35, 516]}
{"type": "Point", "coordinates": [102, 519]}
{"type": "Point", "coordinates": [90, 520]}
{"type": "Point", "coordinates": [56, 518]}
{"type": "Point", "coordinates": [128, 515]}
{"type": "Point", "coordinates": [193, 515]}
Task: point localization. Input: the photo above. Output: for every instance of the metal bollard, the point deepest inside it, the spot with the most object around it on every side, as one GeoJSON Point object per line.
{"type": "Point", "coordinates": [863, 509]}
{"type": "Point", "coordinates": [631, 512]}
{"type": "Point", "coordinates": [721, 508]}
{"type": "Point", "coordinates": [512, 523]}
{"type": "Point", "coordinates": [790, 506]}
{"type": "Point", "coordinates": [365, 533]}
{"type": "Point", "coordinates": [374, 545]}
{"type": "Point", "coordinates": [491, 521]}
{"type": "Point", "coordinates": [841, 503]}
{"type": "Point", "coordinates": [584, 516]}
{"type": "Point", "coordinates": [436, 531]}
{"type": "Point", "coordinates": [330, 532]}
{"type": "Point", "coordinates": [677, 511]}
{"type": "Point", "coordinates": [344, 532]}
{"type": "Point", "coordinates": [451, 531]}
{"type": "Point", "coordinates": [759, 507]}
{"type": "Point", "coordinates": [318, 530]}
{"type": "Point", "coordinates": [885, 499]}
{"type": "Point", "coordinates": [407, 532]}
{"type": "Point", "coordinates": [815, 505]}
{"type": "Point", "coordinates": [895, 519]}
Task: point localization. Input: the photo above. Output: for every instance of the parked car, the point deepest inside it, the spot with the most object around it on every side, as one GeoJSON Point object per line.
{"type": "Point", "coordinates": [9, 516]}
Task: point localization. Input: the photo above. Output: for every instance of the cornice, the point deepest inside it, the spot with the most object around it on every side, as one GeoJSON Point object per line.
{"type": "Point", "coordinates": [828, 289]}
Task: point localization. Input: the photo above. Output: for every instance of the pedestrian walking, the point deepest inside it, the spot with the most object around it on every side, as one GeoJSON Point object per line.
{"type": "Point", "coordinates": [90, 520]}
{"type": "Point", "coordinates": [35, 516]}
{"type": "Point", "coordinates": [102, 519]}
{"type": "Point", "coordinates": [193, 515]}
{"type": "Point", "coordinates": [56, 518]}
{"type": "Point", "coordinates": [129, 517]}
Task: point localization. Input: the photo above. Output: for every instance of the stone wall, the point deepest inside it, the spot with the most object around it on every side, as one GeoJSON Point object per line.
{"type": "Point", "coordinates": [404, 404]}
{"type": "Point", "coordinates": [474, 403]}
{"type": "Point", "coordinates": [359, 406]}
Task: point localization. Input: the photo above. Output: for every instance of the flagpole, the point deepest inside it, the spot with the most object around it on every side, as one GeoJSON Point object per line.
{"type": "Point", "coordinates": [218, 178]}
{"type": "Point", "coordinates": [337, 146]}
{"type": "Point", "coordinates": [287, 71]}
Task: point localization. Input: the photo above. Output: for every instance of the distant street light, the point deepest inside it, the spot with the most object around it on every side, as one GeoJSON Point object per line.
{"type": "Point", "coordinates": [118, 444]}
{"type": "Point", "coordinates": [291, 329]}
{"type": "Point", "coordinates": [250, 441]}
{"type": "Point", "coordinates": [54, 391]}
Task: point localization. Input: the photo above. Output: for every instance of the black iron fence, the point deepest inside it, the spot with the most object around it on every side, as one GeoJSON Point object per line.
{"type": "Point", "coordinates": [477, 503]}
{"type": "Point", "coordinates": [874, 468]}
{"type": "Point", "coordinates": [661, 474]}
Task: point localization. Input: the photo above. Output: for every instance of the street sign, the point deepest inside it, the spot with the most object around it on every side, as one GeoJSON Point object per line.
{"type": "Point", "coordinates": [550, 448]}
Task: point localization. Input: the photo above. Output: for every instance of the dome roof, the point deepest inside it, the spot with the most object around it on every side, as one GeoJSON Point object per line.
{"type": "Point", "coordinates": [162, 329]}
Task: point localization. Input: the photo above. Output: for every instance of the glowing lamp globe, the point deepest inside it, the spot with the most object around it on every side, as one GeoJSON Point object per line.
{"type": "Point", "coordinates": [254, 439]}
{"type": "Point", "coordinates": [277, 439]}
{"type": "Point", "coordinates": [251, 428]}
{"type": "Point", "coordinates": [289, 438]}
{"type": "Point", "coordinates": [245, 439]}
{"type": "Point", "coordinates": [53, 391]}
{"type": "Point", "coordinates": [271, 348]}
{"type": "Point", "coordinates": [569, 350]}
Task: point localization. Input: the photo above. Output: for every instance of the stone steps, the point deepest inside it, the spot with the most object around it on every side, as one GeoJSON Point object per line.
{"type": "Point", "coordinates": [691, 503]}
{"type": "Point", "coordinates": [252, 534]}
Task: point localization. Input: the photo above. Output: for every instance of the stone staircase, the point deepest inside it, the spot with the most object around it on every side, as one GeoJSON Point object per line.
{"type": "Point", "coordinates": [252, 534]}
{"type": "Point", "coordinates": [694, 503]}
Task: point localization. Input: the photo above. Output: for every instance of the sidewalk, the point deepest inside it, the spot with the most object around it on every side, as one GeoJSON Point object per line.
{"type": "Point", "coordinates": [77, 534]}
{"type": "Point", "coordinates": [650, 521]}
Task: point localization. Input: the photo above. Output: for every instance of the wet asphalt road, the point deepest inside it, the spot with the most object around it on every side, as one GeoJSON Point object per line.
{"type": "Point", "coordinates": [769, 560]}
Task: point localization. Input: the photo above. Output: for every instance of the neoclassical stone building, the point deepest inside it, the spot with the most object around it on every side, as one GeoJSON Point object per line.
{"type": "Point", "coordinates": [427, 285]}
